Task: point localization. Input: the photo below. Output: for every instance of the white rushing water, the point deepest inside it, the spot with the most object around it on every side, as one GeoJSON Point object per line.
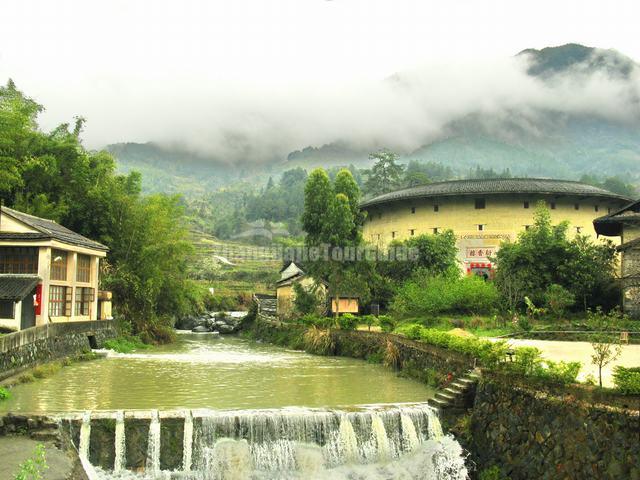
{"type": "Point", "coordinates": [396, 443]}
{"type": "Point", "coordinates": [85, 436]}
{"type": "Point", "coordinates": [153, 445]}
{"type": "Point", "coordinates": [120, 443]}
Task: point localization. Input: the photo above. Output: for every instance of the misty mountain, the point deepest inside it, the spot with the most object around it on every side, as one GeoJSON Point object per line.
{"type": "Point", "coordinates": [530, 140]}
{"type": "Point", "coordinates": [172, 169]}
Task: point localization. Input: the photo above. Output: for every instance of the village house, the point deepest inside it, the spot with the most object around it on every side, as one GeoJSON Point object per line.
{"type": "Point", "coordinates": [285, 293]}
{"type": "Point", "coordinates": [625, 223]}
{"type": "Point", "coordinates": [47, 273]}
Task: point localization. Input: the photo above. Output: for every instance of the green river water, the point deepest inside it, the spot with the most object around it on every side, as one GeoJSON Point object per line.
{"type": "Point", "coordinates": [205, 371]}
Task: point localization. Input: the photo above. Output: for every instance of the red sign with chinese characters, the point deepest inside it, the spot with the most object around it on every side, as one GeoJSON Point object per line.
{"type": "Point", "coordinates": [37, 300]}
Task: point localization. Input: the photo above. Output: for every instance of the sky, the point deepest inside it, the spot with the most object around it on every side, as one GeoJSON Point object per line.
{"type": "Point", "coordinates": [260, 77]}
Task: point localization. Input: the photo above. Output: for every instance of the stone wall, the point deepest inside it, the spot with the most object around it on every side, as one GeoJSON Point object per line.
{"type": "Point", "coordinates": [532, 433]}
{"type": "Point", "coordinates": [45, 343]}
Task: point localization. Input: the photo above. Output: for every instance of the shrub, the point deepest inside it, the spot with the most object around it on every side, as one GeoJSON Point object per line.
{"type": "Point", "coordinates": [347, 321]}
{"type": "Point", "coordinates": [34, 467]}
{"type": "Point", "coordinates": [562, 372]}
{"type": "Point", "coordinates": [392, 356]}
{"type": "Point", "coordinates": [627, 380]}
{"type": "Point", "coordinates": [318, 341]}
{"type": "Point", "coordinates": [428, 295]}
{"type": "Point", "coordinates": [493, 473]}
{"type": "Point", "coordinates": [369, 320]}
{"type": "Point", "coordinates": [312, 319]}
{"type": "Point", "coordinates": [558, 299]}
{"type": "Point", "coordinates": [4, 394]}
{"type": "Point", "coordinates": [414, 332]}
{"type": "Point", "coordinates": [387, 324]}
{"type": "Point", "coordinates": [305, 301]}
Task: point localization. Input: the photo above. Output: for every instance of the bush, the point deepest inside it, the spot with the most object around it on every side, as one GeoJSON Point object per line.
{"type": "Point", "coordinates": [627, 380]}
{"type": "Point", "coordinates": [528, 360]}
{"type": "Point", "coordinates": [347, 321]}
{"type": "Point", "coordinates": [4, 394]}
{"type": "Point", "coordinates": [305, 301]}
{"type": "Point", "coordinates": [314, 320]}
{"type": "Point", "coordinates": [493, 473]}
{"type": "Point", "coordinates": [369, 320]}
{"type": "Point", "coordinates": [387, 324]}
{"type": "Point", "coordinates": [428, 295]}
{"type": "Point", "coordinates": [558, 299]}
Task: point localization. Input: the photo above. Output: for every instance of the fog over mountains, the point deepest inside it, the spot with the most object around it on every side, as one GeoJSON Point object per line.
{"type": "Point", "coordinates": [557, 112]}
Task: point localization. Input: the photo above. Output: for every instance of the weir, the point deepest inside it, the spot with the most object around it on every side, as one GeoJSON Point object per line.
{"type": "Point", "coordinates": [391, 441]}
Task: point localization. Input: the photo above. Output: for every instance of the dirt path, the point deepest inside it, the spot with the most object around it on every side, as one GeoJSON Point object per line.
{"type": "Point", "coordinates": [581, 352]}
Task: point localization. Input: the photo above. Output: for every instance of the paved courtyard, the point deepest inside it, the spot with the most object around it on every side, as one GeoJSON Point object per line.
{"type": "Point", "coordinates": [581, 352]}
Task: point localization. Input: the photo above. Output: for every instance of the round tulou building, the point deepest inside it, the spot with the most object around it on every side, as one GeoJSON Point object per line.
{"type": "Point", "coordinates": [484, 213]}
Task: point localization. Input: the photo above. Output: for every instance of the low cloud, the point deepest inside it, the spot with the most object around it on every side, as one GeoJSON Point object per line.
{"type": "Point", "coordinates": [262, 122]}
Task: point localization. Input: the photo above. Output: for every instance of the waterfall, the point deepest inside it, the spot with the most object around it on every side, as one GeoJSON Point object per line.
{"type": "Point", "coordinates": [120, 443]}
{"type": "Point", "coordinates": [187, 441]}
{"type": "Point", "coordinates": [394, 442]}
{"type": "Point", "coordinates": [409, 434]}
{"type": "Point", "coordinates": [379, 434]}
{"type": "Point", "coordinates": [153, 446]}
{"type": "Point", "coordinates": [348, 442]}
{"type": "Point", "coordinates": [435, 428]}
{"type": "Point", "coordinates": [85, 435]}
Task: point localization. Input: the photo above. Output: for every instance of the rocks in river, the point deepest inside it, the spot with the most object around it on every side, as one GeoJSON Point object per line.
{"type": "Point", "coordinates": [223, 322]}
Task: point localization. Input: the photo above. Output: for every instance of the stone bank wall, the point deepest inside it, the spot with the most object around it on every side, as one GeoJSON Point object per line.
{"type": "Point", "coordinates": [45, 343]}
{"type": "Point", "coordinates": [531, 434]}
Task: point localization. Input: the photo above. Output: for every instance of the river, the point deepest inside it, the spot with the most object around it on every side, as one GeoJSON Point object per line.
{"type": "Point", "coordinates": [206, 371]}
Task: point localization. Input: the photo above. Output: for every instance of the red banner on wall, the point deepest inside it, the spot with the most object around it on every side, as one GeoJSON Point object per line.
{"type": "Point", "coordinates": [37, 300]}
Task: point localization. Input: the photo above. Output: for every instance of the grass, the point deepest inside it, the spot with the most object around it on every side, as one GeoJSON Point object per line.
{"type": "Point", "coordinates": [4, 394]}
{"type": "Point", "coordinates": [125, 344]}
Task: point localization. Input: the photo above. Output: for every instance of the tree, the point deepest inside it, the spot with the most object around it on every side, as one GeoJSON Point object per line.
{"type": "Point", "coordinates": [385, 175]}
{"type": "Point", "coordinates": [329, 220]}
{"type": "Point", "coordinates": [604, 350]}
{"type": "Point", "coordinates": [318, 198]}
{"type": "Point", "coordinates": [345, 184]}
{"type": "Point", "coordinates": [544, 255]}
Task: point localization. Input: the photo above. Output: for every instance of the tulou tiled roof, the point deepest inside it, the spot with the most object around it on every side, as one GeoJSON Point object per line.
{"type": "Point", "coordinates": [47, 229]}
{"type": "Point", "coordinates": [499, 186]}
{"type": "Point", "coordinates": [16, 287]}
{"type": "Point", "coordinates": [611, 225]}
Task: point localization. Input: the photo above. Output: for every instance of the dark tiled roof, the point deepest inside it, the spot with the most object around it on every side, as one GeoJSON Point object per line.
{"type": "Point", "coordinates": [495, 186]}
{"type": "Point", "coordinates": [16, 287]}
{"type": "Point", "coordinates": [611, 225]}
{"type": "Point", "coordinates": [47, 229]}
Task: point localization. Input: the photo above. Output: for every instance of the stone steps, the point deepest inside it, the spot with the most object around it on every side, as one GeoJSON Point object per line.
{"type": "Point", "coordinates": [46, 435]}
{"type": "Point", "coordinates": [452, 394]}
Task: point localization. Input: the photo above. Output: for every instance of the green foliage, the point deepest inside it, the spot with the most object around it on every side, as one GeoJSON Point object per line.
{"type": "Point", "coordinates": [315, 320]}
{"type": "Point", "coordinates": [558, 299]}
{"type": "Point", "coordinates": [33, 468]}
{"type": "Point", "coordinates": [385, 175]}
{"type": "Point", "coordinates": [125, 344]}
{"type": "Point", "coordinates": [435, 254]}
{"type": "Point", "coordinates": [387, 323]}
{"type": "Point", "coordinates": [545, 255]}
{"type": "Point", "coordinates": [4, 394]}
{"type": "Point", "coordinates": [347, 321]}
{"type": "Point", "coordinates": [533, 312]}
{"type": "Point", "coordinates": [627, 380]}
{"type": "Point", "coordinates": [305, 301]}
{"type": "Point", "coordinates": [492, 473]}
{"type": "Point", "coordinates": [424, 294]}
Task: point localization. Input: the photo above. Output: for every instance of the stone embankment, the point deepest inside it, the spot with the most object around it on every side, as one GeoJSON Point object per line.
{"type": "Point", "coordinates": [45, 343]}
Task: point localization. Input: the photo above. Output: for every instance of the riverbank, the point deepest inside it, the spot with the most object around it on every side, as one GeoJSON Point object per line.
{"type": "Point", "coordinates": [525, 427]}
